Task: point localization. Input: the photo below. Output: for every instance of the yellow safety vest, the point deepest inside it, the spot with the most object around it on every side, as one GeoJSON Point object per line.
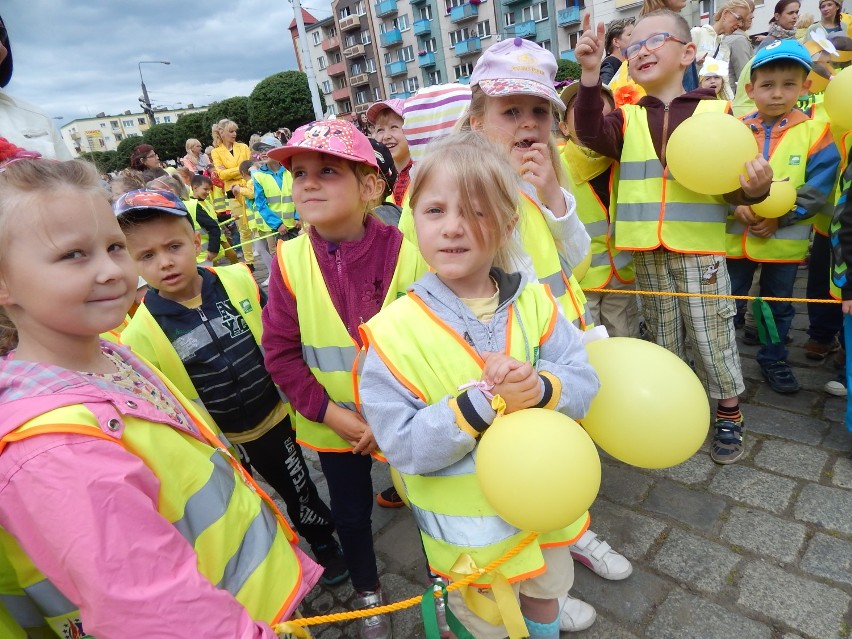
{"type": "Point", "coordinates": [453, 515]}
{"type": "Point", "coordinates": [147, 339]}
{"type": "Point", "coordinates": [220, 201]}
{"type": "Point", "coordinates": [844, 143]}
{"type": "Point", "coordinates": [327, 347]}
{"type": "Point", "coordinates": [652, 208]}
{"type": "Point", "coordinates": [822, 220]}
{"type": "Point", "coordinates": [607, 262]}
{"type": "Point", "coordinates": [279, 198]}
{"type": "Point", "coordinates": [241, 539]}
{"type": "Point", "coordinates": [789, 160]}
{"type": "Point", "coordinates": [192, 205]}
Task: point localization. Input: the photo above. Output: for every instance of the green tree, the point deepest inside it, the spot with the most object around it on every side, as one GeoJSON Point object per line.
{"type": "Point", "coordinates": [281, 100]}
{"type": "Point", "coordinates": [99, 159]}
{"type": "Point", "coordinates": [125, 150]}
{"type": "Point", "coordinates": [162, 138]}
{"type": "Point", "coordinates": [192, 125]}
{"type": "Point", "coordinates": [567, 70]}
{"type": "Point", "coordinates": [236, 109]}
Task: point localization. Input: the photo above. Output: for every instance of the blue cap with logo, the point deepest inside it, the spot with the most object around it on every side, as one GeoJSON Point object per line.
{"type": "Point", "coordinates": [788, 49]}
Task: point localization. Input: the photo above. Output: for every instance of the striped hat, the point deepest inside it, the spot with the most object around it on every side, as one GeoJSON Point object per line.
{"type": "Point", "coordinates": [431, 113]}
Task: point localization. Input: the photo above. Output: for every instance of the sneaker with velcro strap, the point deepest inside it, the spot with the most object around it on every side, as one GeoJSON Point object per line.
{"type": "Point", "coordinates": [727, 444]}
{"type": "Point", "coordinates": [599, 557]}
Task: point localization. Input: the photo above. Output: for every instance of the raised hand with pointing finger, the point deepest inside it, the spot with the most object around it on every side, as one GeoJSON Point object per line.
{"type": "Point", "coordinates": [590, 50]}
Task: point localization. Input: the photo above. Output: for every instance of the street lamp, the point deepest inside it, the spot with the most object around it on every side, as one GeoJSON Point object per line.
{"type": "Point", "coordinates": [146, 102]}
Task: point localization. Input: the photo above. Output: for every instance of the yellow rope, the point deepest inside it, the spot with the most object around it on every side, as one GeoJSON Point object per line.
{"type": "Point", "coordinates": [709, 295]}
{"type": "Point", "coordinates": [406, 603]}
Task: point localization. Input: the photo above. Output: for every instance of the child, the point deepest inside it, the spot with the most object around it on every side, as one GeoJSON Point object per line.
{"type": "Point", "coordinates": [713, 75]}
{"type": "Point", "coordinates": [273, 193]}
{"type": "Point", "coordinates": [799, 149]}
{"type": "Point", "coordinates": [677, 236]}
{"type": "Point", "coordinates": [201, 328]}
{"type": "Point", "coordinates": [386, 118]}
{"type": "Point", "coordinates": [91, 434]}
{"type": "Point", "coordinates": [592, 178]}
{"type": "Point", "coordinates": [470, 324]}
{"type": "Point", "coordinates": [255, 222]}
{"type": "Point", "coordinates": [201, 212]}
{"type": "Point", "coordinates": [323, 285]}
{"type": "Point", "coordinates": [841, 283]}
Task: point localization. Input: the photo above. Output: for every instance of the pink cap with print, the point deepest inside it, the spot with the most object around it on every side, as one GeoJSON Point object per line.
{"type": "Point", "coordinates": [334, 137]}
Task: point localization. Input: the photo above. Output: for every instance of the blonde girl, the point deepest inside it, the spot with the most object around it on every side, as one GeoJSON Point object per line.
{"type": "Point", "coordinates": [91, 432]}
{"type": "Point", "coordinates": [467, 338]}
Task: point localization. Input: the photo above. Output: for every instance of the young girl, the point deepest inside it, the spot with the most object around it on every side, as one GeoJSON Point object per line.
{"type": "Point", "coordinates": [470, 324]}
{"type": "Point", "coordinates": [324, 284]}
{"type": "Point", "coordinates": [121, 512]}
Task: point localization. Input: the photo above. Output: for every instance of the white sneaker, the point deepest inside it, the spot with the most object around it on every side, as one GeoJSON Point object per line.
{"type": "Point", "coordinates": [575, 615]}
{"type": "Point", "coordinates": [835, 388]}
{"type": "Point", "coordinates": [599, 557]}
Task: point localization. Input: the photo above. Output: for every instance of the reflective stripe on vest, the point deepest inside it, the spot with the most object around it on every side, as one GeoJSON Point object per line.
{"type": "Point", "coordinates": [220, 201]}
{"type": "Point", "coordinates": [839, 268]}
{"type": "Point", "coordinates": [242, 541]}
{"type": "Point", "coordinates": [327, 347]}
{"type": "Point", "coordinates": [652, 208]}
{"type": "Point", "coordinates": [789, 160]}
{"type": "Point", "coordinates": [279, 198]}
{"type": "Point", "coordinates": [453, 515]}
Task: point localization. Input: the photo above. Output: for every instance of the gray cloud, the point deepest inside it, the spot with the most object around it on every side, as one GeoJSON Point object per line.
{"type": "Point", "coordinates": [75, 58]}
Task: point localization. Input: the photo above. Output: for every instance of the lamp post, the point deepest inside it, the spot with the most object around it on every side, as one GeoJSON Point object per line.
{"type": "Point", "coordinates": [146, 102]}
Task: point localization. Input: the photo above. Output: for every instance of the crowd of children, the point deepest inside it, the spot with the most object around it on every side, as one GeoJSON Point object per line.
{"type": "Point", "coordinates": [409, 304]}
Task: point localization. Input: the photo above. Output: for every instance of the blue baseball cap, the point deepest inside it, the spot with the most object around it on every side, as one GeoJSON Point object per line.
{"type": "Point", "coordinates": [788, 49]}
{"type": "Point", "coordinates": [143, 200]}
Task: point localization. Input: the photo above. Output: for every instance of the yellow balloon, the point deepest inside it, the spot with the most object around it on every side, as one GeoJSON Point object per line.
{"type": "Point", "coordinates": [782, 198]}
{"type": "Point", "coordinates": [396, 478]}
{"type": "Point", "coordinates": [707, 153]}
{"type": "Point", "coordinates": [838, 99]}
{"type": "Point", "coordinates": [582, 268]}
{"type": "Point", "coordinates": [651, 410]}
{"type": "Point", "coordinates": [538, 469]}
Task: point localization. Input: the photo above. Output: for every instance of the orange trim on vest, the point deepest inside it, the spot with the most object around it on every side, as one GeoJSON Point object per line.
{"type": "Point", "coordinates": [451, 332]}
{"type": "Point", "coordinates": [553, 316]}
{"type": "Point", "coordinates": [366, 338]}
{"type": "Point", "coordinates": [71, 429]}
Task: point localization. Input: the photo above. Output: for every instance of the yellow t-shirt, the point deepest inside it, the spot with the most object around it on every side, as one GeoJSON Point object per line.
{"type": "Point", "coordinates": [483, 307]}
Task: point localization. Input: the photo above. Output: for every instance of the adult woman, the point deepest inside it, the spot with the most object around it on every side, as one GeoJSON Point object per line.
{"type": "Point", "coordinates": [782, 26]}
{"type": "Point", "coordinates": [195, 160]}
{"type": "Point", "coordinates": [709, 38]}
{"type": "Point", "coordinates": [830, 11]}
{"type": "Point", "coordinates": [145, 159]}
{"type": "Point", "coordinates": [617, 35]}
{"type": "Point", "coordinates": [227, 156]}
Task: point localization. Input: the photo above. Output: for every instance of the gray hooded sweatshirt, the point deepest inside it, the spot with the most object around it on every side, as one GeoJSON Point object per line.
{"type": "Point", "coordinates": [417, 438]}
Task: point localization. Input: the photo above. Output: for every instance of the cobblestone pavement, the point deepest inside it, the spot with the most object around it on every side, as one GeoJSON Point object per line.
{"type": "Point", "coordinates": [757, 550]}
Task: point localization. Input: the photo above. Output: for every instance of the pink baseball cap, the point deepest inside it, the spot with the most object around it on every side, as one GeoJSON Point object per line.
{"type": "Point", "coordinates": [514, 67]}
{"type": "Point", "coordinates": [335, 137]}
{"type": "Point", "coordinates": [394, 104]}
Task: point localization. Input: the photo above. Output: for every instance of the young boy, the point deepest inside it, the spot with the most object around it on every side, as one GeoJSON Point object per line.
{"type": "Point", "coordinates": [201, 327]}
{"type": "Point", "coordinates": [386, 118]}
{"type": "Point", "coordinates": [677, 236]}
{"type": "Point", "coordinates": [201, 211]}
{"type": "Point", "coordinates": [801, 150]}
{"type": "Point", "coordinates": [273, 193]}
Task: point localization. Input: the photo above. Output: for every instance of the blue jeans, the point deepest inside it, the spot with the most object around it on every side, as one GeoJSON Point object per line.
{"type": "Point", "coordinates": [825, 320]}
{"type": "Point", "coordinates": [776, 280]}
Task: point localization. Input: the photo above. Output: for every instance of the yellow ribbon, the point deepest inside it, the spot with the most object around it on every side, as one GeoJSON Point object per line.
{"type": "Point", "coordinates": [504, 609]}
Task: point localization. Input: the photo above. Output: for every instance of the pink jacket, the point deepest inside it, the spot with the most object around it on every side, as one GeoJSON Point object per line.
{"type": "Point", "coordinates": [85, 510]}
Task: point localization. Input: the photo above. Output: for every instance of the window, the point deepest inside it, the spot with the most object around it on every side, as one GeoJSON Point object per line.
{"type": "Point", "coordinates": [332, 31]}
{"type": "Point", "coordinates": [377, 94]}
{"type": "Point", "coordinates": [426, 12]}
{"type": "Point", "coordinates": [433, 77]}
{"type": "Point", "coordinates": [355, 69]}
{"type": "Point", "coordinates": [142, 120]}
{"type": "Point", "coordinates": [113, 124]}
{"type": "Point", "coordinates": [157, 120]}
{"type": "Point", "coordinates": [326, 86]}
{"type": "Point", "coordinates": [535, 12]}
{"type": "Point", "coordinates": [345, 12]}
{"type": "Point", "coordinates": [545, 44]}
{"type": "Point", "coordinates": [402, 23]}
{"type": "Point", "coordinates": [343, 82]}
{"type": "Point", "coordinates": [118, 137]}
{"type": "Point", "coordinates": [349, 41]}
{"type": "Point", "coordinates": [392, 87]}
{"type": "Point", "coordinates": [346, 106]}
{"type": "Point", "coordinates": [365, 37]}
{"type": "Point", "coordinates": [103, 125]}
{"type": "Point", "coordinates": [127, 122]}
{"type": "Point", "coordinates": [337, 58]}
{"type": "Point", "coordinates": [509, 18]}
{"type": "Point", "coordinates": [483, 29]}
{"type": "Point", "coordinates": [321, 62]}
{"type": "Point", "coordinates": [407, 53]}
{"type": "Point", "coordinates": [362, 97]}
{"type": "Point", "coordinates": [573, 38]}
{"type": "Point", "coordinates": [388, 58]}
{"type": "Point", "coordinates": [429, 45]}
{"type": "Point", "coordinates": [332, 109]}
{"type": "Point", "coordinates": [459, 35]}
{"type": "Point", "coordinates": [360, 8]}
{"type": "Point", "coordinates": [316, 35]}
{"type": "Point", "coordinates": [371, 65]}
{"type": "Point", "coordinates": [453, 3]}
{"type": "Point", "coordinates": [167, 118]}
{"type": "Point", "coordinates": [463, 70]}
{"type": "Point", "coordinates": [411, 84]}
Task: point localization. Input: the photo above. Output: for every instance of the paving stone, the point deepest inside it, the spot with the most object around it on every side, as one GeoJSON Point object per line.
{"type": "Point", "coordinates": [683, 616]}
{"type": "Point", "coordinates": [828, 507]}
{"type": "Point", "coordinates": [695, 561]}
{"type": "Point", "coordinates": [753, 487]}
{"type": "Point", "coordinates": [764, 534]}
{"type": "Point", "coordinates": [628, 532]}
{"type": "Point", "coordinates": [802, 402]}
{"type": "Point", "coordinates": [834, 409]}
{"type": "Point", "coordinates": [806, 605]}
{"type": "Point", "coordinates": [603, 628]}
{"type": "Point", "coordinates": [795, 460]}
{"type": "Point", "coordinates": [838, 438]}
{"type": "Point", "coordinates": [407, 622]}
{"type": "Point", "coordinates": [630, 600]}
{"type": "Point", "coordinates": [400, 542]}
{"type": "Point", "coordinates": [692, 507]}
{"type": "Point", "coordinates": [780, 423]}
{"type": "Point", "coordinates": [830, 558]}
{"type": "Point", "coordinates": [695, 470]}
{"type": "Point", "coordinates": [623, 485]}
{"type": "Point", "coordinates": [841, 472]}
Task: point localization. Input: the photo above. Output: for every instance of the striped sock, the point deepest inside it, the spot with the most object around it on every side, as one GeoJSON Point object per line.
{"type": "Point", "coordinates": [729, 412]}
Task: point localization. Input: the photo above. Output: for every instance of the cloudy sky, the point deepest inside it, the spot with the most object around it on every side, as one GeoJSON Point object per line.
{"type": "Point", "coordinates": [76, 58]}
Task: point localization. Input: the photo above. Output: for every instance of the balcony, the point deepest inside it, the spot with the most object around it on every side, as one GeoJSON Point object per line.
{"type": "Point", "coordinates": [510, 2]}
{"type": "Point", "coordinates": [400, 67]}
{"type": "Point", "coordinates": [341, 95]}
{"type": "Point", "coordinates": [416, 2]}
{"type": "Point", "coordinates": [525, 29]}
{"type": "Point", "coordinates": [463, 12]}
{"type": "Point", "coordinates": [330, 44]}
{"type": "Point", "coordinates": [422, 27]}
{"type": "Point", "coordinates": [354, 52]}
{"type": "Point", "coordinates": [336, 69]}
{"type": "Point", "coordinates": [568, 17]}
{"type": "Point", "coordinates": [471, 46]}
{"type": "Point", "coordinates": [401, 95]}
{"type": "Point", "coordinates": [568, 55]}
{"type": "Point", "coordinates": [391, 38]}
{"type": "Point", "coordinates": [465, 79]}
{"type": "Point", "coordinates": [358, 80]}
{"type": "Point", "coordinates": [426, 59]}
{"type": "Point", "coordinates": [350, 22]}
{"type": "Point", "coordinates": [385, 8]}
